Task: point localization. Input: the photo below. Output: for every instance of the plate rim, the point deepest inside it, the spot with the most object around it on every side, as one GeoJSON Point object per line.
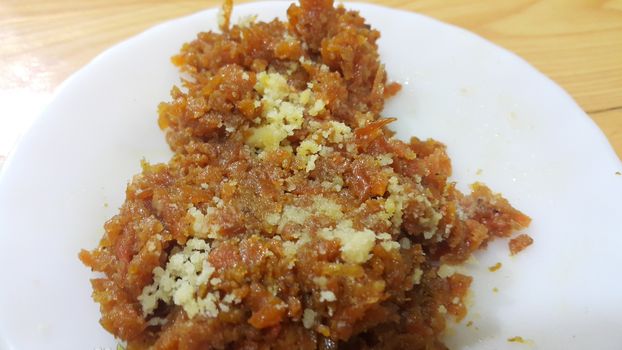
{"type": "Point", "coordinates": [114, 49]}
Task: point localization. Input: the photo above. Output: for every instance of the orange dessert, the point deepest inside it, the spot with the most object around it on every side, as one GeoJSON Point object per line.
{"type": "Point", "coordinates": [289, 217]}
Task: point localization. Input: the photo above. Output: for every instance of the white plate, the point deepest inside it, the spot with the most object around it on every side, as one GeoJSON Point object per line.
{"type": "Point", "coordinates": [495, 112]}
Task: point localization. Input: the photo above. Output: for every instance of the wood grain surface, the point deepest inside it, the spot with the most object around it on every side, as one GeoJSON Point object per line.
{"type": "Point", "coordinates": [577, 43]}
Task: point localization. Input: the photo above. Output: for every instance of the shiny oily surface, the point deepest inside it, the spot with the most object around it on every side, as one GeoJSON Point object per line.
{"type": "Point", "coordinates": [525, 153]}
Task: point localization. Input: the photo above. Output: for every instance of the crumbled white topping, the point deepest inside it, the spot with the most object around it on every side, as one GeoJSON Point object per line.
{"type": "Point", "coordinates": [405, 243]}
{"type": "Point", "coordinates": [308, 318]}
{"type": "Point", "coordinates": [179, 281]}
{"type": "Point", "coordinates": [327, 207]}
{"type": "Point", "coordinates": [282, 109]}
{"type": "Point", "coordinates": [385, 159]}
{"type": "Point", "coordinates": [428, 234]}
{"type": "Point", "coordinates": [383, 236]}
{"type": "Point", "coordinates": [290, 249]}
{"type": "Point", "coordinates": [355, 245]}
{"type": "Point", "coordinates": [390, 245]}
{"type": "Point", "coordinates": [307, 153]}
{"type": "Point", "coordinates": [445, 270]}
{"type": "Point", "coordinates": [327, 295]}
{"type": "Point", "coordinates": [273, 218]}
{"type": "Point", "coordinates": [394, 204]}
{"type": "Point", "coordinates": [417, 276]}
{"type": "Point", "coordinates": [203, 225]}
{"type": "Point", "coordinates": [157, 321]}
{"type": "Point", "coordinates": [317, 107]}
{"type": "Point", "coordinates": [151, 246]}
{"type": "Point", "coordinates": [387, 243]}
{"type": "Point", "coordinates": [321, 281]}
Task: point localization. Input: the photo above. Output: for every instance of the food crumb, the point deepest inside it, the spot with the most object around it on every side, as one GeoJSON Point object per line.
{"type": "Point", "coordinates": [495, 290]}
{"type": "Point", "coordinates": [479, 172]}
{"type": "Point", "coordinates": [519, 243]}
{"type": "Point", "coordinates": [469, 324]}
{"type": "Point", "coordinates": [618, 173]}
{"type": "Point", "coordinates": [520, 340]}
{"type": "Point", "coordinates": [495, 267]}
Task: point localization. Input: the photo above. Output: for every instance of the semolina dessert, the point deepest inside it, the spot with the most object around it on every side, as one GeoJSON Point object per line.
{"type": "Point", "coordinates": [289, 217]}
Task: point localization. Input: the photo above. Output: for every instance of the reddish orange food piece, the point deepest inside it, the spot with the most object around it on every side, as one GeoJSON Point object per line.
{"type": "Point", "coordinates": [268, 311]}
{"type": "Point", "coordinates": [519, 243]}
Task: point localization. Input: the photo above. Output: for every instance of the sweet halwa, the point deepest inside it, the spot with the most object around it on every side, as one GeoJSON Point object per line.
{"type": "Point", "coordinates": [289, 217]}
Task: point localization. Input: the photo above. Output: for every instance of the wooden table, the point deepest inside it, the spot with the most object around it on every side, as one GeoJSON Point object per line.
{"type": "Point", "coordinates": [578, 43]}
